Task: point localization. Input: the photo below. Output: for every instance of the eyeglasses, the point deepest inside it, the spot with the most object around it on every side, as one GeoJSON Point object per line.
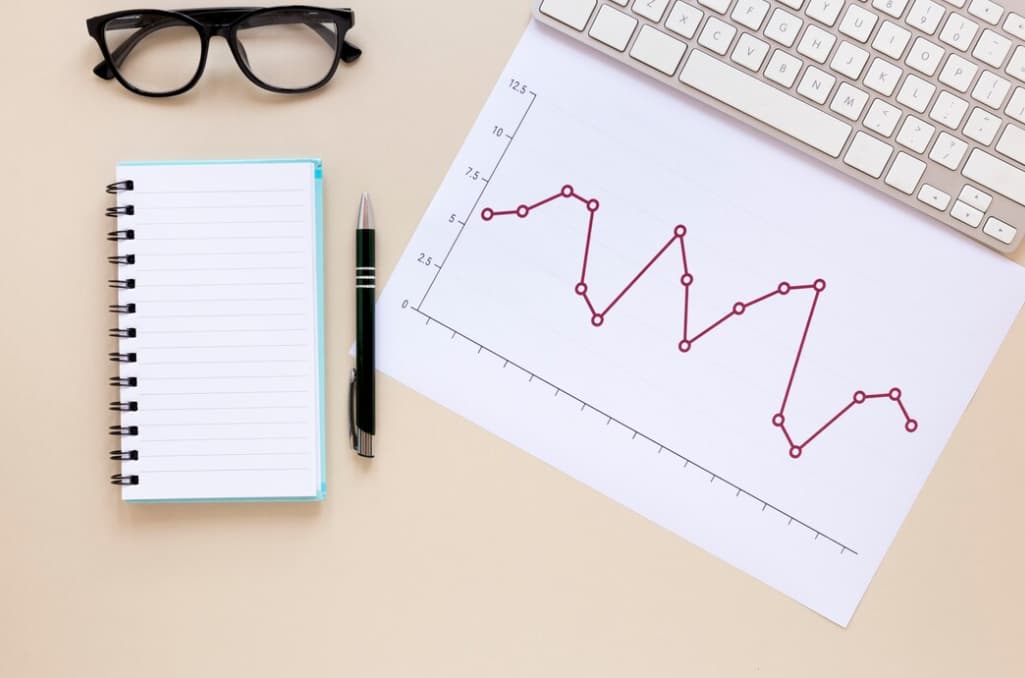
{"type": "Point", "coordinates": [158, 53]}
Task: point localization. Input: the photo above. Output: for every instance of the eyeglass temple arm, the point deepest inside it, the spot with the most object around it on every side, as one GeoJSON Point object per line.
{"type": "Point", "coordinates": [350, 52]}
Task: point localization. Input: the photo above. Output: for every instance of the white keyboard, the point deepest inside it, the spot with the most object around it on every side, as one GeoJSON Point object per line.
{"type": "Point", "coordinates": [922, 99]}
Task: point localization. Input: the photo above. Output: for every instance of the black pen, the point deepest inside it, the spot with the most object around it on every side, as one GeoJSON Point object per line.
{"type": "Point", "coordinates": [361, 385]}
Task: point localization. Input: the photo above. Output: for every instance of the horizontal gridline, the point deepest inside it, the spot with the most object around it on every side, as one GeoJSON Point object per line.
{"type": "Point", "coordinates": [237, 408]}
{"type": "Point", "coordinates": [138, 225]}
{"type": "Point", "coordinates": [218, 207]}
{"type": "Point", "coordinates": [179, 238]}
{"type": "Point", "coordinates": [222, 191]}
{"type": "Point", "coordinates": [228, 377]}
{"type": "Point", "coordinates": [226, 470]}
{"type": "Point", "coordinates": [158, 394]}
{"type": "Point", "coordinates": [222, 362]}
{"type": "Point", "coordinates": [239, 330]}
{"type": "Point", "coordinates": [172, 455]}
{"type": "Point", "coordinates": [150, 347]}
{"type": "Point", "coordinates": [197, 424]}
{"type": "Point", "coordinates": [224, 284]}
{"type": "Point", "coordinates": [175, 269]}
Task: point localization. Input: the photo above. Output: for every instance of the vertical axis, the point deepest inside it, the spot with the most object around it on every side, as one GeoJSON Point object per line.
{"type": "Point", "coordinates": [487, 182]}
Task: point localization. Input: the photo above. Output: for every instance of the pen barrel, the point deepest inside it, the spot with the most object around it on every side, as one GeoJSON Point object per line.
{"type": "Point", "coordinates": [365, 285]}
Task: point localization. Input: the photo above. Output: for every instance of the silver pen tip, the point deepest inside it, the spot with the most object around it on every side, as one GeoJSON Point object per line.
{"type": "Point", "coordinates": [365, 219]}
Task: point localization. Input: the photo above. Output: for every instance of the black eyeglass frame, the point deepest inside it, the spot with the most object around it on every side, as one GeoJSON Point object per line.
{"type": "Point", "coordinates": [224, 22]}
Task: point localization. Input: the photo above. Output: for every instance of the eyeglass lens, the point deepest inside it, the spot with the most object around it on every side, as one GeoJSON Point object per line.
{"type": "Point", "coordinates": [289, 49]}
{"type": "Point", "coordinates": [156, 53]}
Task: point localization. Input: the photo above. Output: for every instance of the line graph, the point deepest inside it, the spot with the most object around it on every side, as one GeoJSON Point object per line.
{"type": "Point", "coordinates": [689, 337]}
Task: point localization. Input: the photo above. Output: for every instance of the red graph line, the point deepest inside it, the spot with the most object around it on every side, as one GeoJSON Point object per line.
{"type": "Point", "coordinates": [688, 340]}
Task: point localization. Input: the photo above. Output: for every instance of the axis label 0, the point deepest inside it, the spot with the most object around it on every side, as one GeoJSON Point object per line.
{"type": "Point", "coordinates": [689, 337]}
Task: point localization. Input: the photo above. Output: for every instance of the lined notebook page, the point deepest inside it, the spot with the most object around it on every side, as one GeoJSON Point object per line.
{"type": "Point", "coordinates": [228, 330]}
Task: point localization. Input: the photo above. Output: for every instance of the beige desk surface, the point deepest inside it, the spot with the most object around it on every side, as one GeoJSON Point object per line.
{"type": "Point", "coordinates": [452, 554]}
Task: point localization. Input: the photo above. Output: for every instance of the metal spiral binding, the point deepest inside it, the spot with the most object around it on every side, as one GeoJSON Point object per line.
{"type": "Point", "coordinates": [122, 282]}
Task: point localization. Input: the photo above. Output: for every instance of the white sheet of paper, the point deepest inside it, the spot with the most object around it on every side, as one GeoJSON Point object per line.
{"type": "Point", "coordinates": [484, 314]}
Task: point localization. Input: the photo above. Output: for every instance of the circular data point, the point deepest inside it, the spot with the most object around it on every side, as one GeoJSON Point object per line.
{"type": "Point", "coordinates": [686, 280]}
{"type": "Point", "coordinates": [522, 211]}
{"type": "Point", "coordinates": [894, 394]}
{"type": "Point", "coordinates": [795, 452]}
{"type": "Point", "coordinates": [680, 230]}
{"type": "Point", "coordinates": [567, 191]}
{"type": "Point", "coordinates": [487, 214]}
{"type": "Point", "coordinates": [597, 319]}
{"type": "Point", "coordinates": [911, 426]}
{"type": "Point", "coordinates": [581, 288]}
{"type": "Point", "coordinates": [784, 288]}
{"type": "Point", "coordinates": [592, 205]}
{"type": "Point", "coordinates": [859, 397]}
{"type": "Point", "coordinates": [684, 346]}
{"type": "Point", "coordinates": [739, 308]}
{"type": "Point", "coordinates": [820, 285]}
{"type": "Point", "coordinates": [778, 419]}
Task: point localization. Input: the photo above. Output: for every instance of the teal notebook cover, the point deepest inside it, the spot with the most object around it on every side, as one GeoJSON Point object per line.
{"type": "Point", "coordinates": [168, 188]}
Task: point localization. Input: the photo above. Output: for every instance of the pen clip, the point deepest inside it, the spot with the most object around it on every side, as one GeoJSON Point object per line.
{"type": "Point", "coordinates": [352, 411]}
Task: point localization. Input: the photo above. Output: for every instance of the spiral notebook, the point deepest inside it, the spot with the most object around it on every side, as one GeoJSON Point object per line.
{"type": "Point", "coordinates": [220, 331]}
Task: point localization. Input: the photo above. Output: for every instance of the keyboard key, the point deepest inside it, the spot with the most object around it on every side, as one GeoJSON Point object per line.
{"type": "Point", "coordinates": [816, 44]}
{"type": "Point", "coordinates": [658, 50]}
{"type": "Point", "coordinates": [949, 151]}
{"type": "Point", "coordinates": [986, 10]}
{"type": "Point", "coordinates": [934, 197]}
{"type": "Point", "coordinates": [824, 11]}
{"type": "Point", "coordinates": [949, 110]}
{"type": "Point", "coordinates": [882, 117]}
{"type": "Point", "coordinates": [891, 40]}
{"type": "Point", "coordinates": [816, 85]}
{"type": "Point", "coordinates": [992, 48]}
{"type": "Point", "coordinates": [925, 56]}
{"type": "Point", "coordinates": [867, 154]}
{"type": "Point", "coordinates": [612, 27]}
{"type": "Point", "coordinates": [959, 32]}
{"type": "Point", "coordinates": [716, 5]}
{"type": "Point", "coordinates": [849, 101]}
{"type": "Point", "coordinates": [1016, 67]}
{"type": "Point", "coordinates": [1016, 106]}
{"type": "Point", "coordinates": [976, 198]}
{"type": "Point", "coordinates": [966, 214]}
{"type": "Point", "coordinates": [982, 126]}
{"type": "Point", "coordinates": [892, 7]}
{"type": "Point", "coordinates": [750, 52]}
{"type": "Point", "coordinates": [650, 9]}
{"type": "Point", "coordinates": [717, 35]}
{"type": "Point", "coordinates": [858, 23]}
{"type": "Point", "coordinates": [915, 134]}
{"type": "Point", "coordinates": [783, 68]}
{"type": "Point", "coordinates": [573, 13]}
{"type": "Point", "coordinates": [958, 73]}
{"type": "Point", "coordinates": [882, 77]}
{"type": "Point", "coordinates": [1012, 143]}
{"type": "Point", "coordinates": [905, 173]}
{"type": "Point", "coordinates": [765, 103]}
{"type": "Point", "coordinates": [751, 13]}
{"type": "Point", "coordinates": [684, 19]}
{"type": "Point", "coordinates": [995, 174]}
{"type": "Point", "coordinates": [925, 15]}
{"type": "Point", "coordinates": [991, 90]}
{"type": "Point", "coordinates": [956, 3]}
{"type": "Point", "coordinates": [1015, 25]}
{"type": "Point", "coordinates": [849, 60]}
{"type": "Point", "coordinates": [1003, 232]}
{"type": "Point", "coordinates": [916, 93]}
{"type": "Point", "coordinates": [783, 27]}
{"type": "Point", "coordinates": [792, 4]}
